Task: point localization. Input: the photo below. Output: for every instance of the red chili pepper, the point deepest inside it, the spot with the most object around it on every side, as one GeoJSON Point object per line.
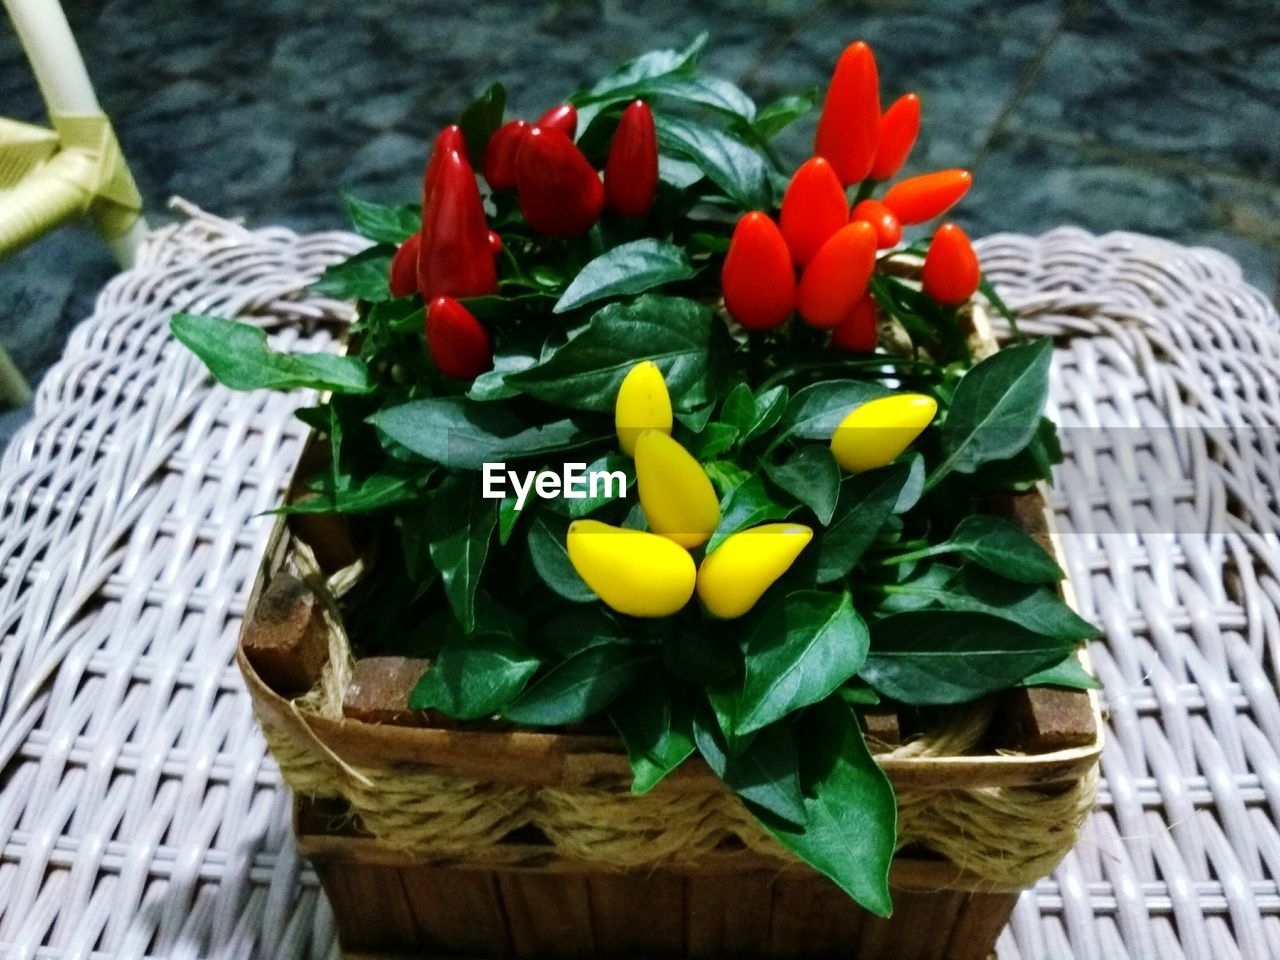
{"type": "Point", "coordinates": [500, 154]}
{"type": "Point", "coordinates": [404, 267]}
{"type": "Point", "coordinates": [460, 347]}
{"type": "Point", "coordinates": [858, 331]}
{"type": "Point", "coordinates": [560, 193]}
{"type": "Point", "coordinates": [813, 209]}
{"type": "Point", "coordinates": [450, 138]}
{"type": "Point", "coordinates": [495, 243]}
{"type": "Point", "coordinates": [922, 198]}
{"type": "Point", "coordinates": [631, 171]}
{"type": "Point", "coordinates": [837, 276]}
{"type": "Point", "coordinates": [899, 128]}
{"type": "Point", "coordinates": [951, 272]}
{"type": "Point", "coordinates": [758, 281]}
{"type": "Point", "coordinates": [888, 229]}
{"type": "Point", "coordinates": [454, 259]}
{"type": "Point", "coordinates": [562, 117]}
{"type": "Point", "coordinates": [850, 121]}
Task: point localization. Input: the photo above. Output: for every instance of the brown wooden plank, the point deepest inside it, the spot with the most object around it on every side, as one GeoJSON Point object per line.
{"type": "Point", "coordinates": [727, 915]}
{"type": "Point", "coordinates": [1043, 719]}
{"type": "Point", "coordinates": [637, 914]}
{"type": "Point", "coordinates": [549, 914]}
{"type": "Point", "coordinates": [978, 925]}
{"type": "Point", "coordinates": [370, 908]}
{"type": "Point", "coordinates": [810, 916]}
{"type": "Point", "coordinates": [458, 913]}
{"type": "Point", "coordinates": [379, 688]}
{"type": "Point", "coordinates": [285, 638]}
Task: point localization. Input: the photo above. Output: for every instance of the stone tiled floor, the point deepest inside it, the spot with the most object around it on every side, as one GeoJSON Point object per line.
{"type": "Point", "coordinates": [1161, 118]}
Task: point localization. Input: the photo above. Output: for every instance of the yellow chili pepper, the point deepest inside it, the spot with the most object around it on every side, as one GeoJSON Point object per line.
{"type": "Point", "coordinates": [637, 573]}
{"type": "Point", "coordinates": [675, 492]}
{"type": "Point", "coordinates": [873, 434]}
{"type": "Point", "coordinates": [643, 404]}
{"type": "Point", "coordinates": [738, 572]}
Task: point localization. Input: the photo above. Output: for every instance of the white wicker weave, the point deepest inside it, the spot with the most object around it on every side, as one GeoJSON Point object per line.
{"type": "Point", "coordinates": [140, 815]}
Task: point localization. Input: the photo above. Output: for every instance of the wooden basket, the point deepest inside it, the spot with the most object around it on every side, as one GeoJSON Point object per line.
{"type": "Point", "coordinates": [396, 893]}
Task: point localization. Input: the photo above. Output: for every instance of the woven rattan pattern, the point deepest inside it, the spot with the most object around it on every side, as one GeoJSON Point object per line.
{"type": "Point", "coordinates": [140, 816]}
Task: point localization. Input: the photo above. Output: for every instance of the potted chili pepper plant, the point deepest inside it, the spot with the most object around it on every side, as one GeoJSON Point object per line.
{"type": "Point", "coordinates": [668, 555]}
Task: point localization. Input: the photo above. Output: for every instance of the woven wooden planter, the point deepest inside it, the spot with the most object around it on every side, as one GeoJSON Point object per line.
{"type": "Point", "coordinates": [485, 841]}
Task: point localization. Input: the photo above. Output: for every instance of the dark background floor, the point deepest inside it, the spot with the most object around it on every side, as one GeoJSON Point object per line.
{"type": "Point", "coordinates": [1110, 114]}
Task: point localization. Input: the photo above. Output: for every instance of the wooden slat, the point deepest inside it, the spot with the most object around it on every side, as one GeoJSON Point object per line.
{"type": "Point", "coordinates": [636, 914]}
{"type": "Point", "coordinates": [727, 916]}
{"type": "Point", "coordinates": [549, 915]}
{"type": "Point", "coordinates": [457, 912]}
{"type": "Point", "coordinates": [811, 917]}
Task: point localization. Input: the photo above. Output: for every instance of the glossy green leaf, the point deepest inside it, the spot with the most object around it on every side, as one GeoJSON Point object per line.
{"type": "Point", "coordinates": [586, 372]}
{"type": "Point", "coordinates": [550, 556]}
{"type": "Point", "coordinates": [712, 93]}
{"type": "Point", "coordinates": [1002, 547]}
{"type": "Point", "coordinates": [746, 505]}
{"type": "Point", "coordinates": [766, 773]}
{"type": "Point", "coordinates": [580, 628]}
{"type": "Point", "coordinates": [1070, 673]}
{"type": "Point", "coordinates": [996, 409]}
{"type": "Point", "coordinates": [936, 656]}
{"type": "Point", "coordinates": [238, 357]}
{"type": "Point", "coordinates": [627, 269]}
{"type": "Point", "coordinates": [374, 492]}
{"type": "Point", "coordinates": [384, 222]}
{"type": "Point", "coordinates": [866, 501]}
{"type": "Point", "coordinates": [657, 731]}
{"type": "Point", "coordinates": [812, 476]}
{"type": "Point", "coordinates": [814, 412]}
{"type": "Point", "coordinates": [481, 118]}
{"type": "Point", "coordinates": [655, 63]}
{"type": "Point", "coordinates": [851, 816]}
{"type": "Point", "coordinates": [804, 646]}
{"type": "Point", "coordinates": [365, 276]}
{"type": "Point", "coordinates": [775, 117]}
{"type": "Point", "coordinates": [475, 677]}
{"type": "Point", "coordinates": [582, 685]}
{"type": "Point", "coordinates": [465, 434]}
{"type": "Point", "coordinates": [460, 525]}
{"type": "Point", "coordinates": [729, 163]}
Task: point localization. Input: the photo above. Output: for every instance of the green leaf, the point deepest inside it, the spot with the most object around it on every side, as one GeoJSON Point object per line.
{"type": "Point", "coordinates": [804, 647]}
{"type": "Point", "coordinates": [753, 414]}
{"type": "Point", "coordinates": [989, 291]}
{"type": "Point", "coordinates": [365, 276]}
{"type": "Point", "coordinates": [580, 628]}
{"type": "Point", "coordinates": [579, 687]}
{"type": "Point", "coordinates": [475, 677]}
{"type": "Point", "coordinates": [238, 357]}
{"type": "Point", "coordinates": [492, 384]}
{"type": "Point", "coordinates": [1002, 547]}
{"type": "Point", "coordinates": [682, 175]}
{"type": "Point", "coordinates": [729, 163]}
{"type": "Point", "coordinates": [745, 506]}
{"type": "Point", "coordinates": [766, 773]}
{"type": "Point", "coordinates": [585, 372]}
{"type": "Point", "coordinates": [1070, 673]}
{"type": "Point", "coordinates": [913, 489]}
{"type": "Point", "coordinates": [815, 412]}
{"type": "Point", "coordinates": [384, 222]}
{"type": "Point", "coordinates": [812, 476]}
{"type": "Point", "coordinates": [655, 63]}
{"type": "Point", "coordinates": [481, 118]}
{"type": "Point", "coordinates": [550, 557]}
{"type": "Point", "coordinates": [657, 731]}
{"type": "Point", "coordinates": [460, 525]}
{"type": "Point", "coordinates": [626, 269]}
{"type": "Point", "coordinates": [866, 501]}
{"type": "Point", "coordinates": [777, 116]}
{"type": "Point", "coordinates": [937, 657]}
{"type": "Point", "coordinates": [713, 440]}
{"type": "Point", "coordinates": [850, 827]}
{"type": "Point", "coordinates": [701, 91]}
{"type": "Point", "coordinates": [465, 434]}
{"type": "Point", "coordinates": [1035, 607]}
{"type": "Point", "coordinates": [377, 491]}
{"type": "Point", "coordinates": [996, 409]}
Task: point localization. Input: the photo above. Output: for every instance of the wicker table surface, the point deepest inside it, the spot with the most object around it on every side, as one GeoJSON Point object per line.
{"type": "Point", "coordinates": [141, 816]}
